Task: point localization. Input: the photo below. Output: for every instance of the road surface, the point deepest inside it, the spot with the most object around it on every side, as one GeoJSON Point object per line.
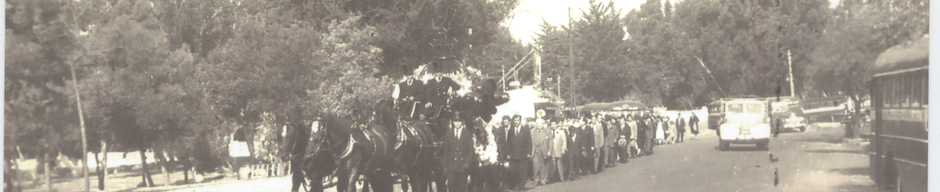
{"type": "Point", "coordinates": [817, 160]}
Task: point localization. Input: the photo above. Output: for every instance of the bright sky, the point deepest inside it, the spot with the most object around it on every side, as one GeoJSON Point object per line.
{"type": "Point", "coordinates": [524, 25]}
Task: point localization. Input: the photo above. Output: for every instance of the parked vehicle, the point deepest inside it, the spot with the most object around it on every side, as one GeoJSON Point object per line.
{"type": "Point", "coordinates": [787, 114]}
{"type": "Point", "coordinates": [898, 149]}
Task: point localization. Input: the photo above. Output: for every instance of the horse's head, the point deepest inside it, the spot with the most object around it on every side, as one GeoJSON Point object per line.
{"type": "Point", "coordinates": [383, 113]}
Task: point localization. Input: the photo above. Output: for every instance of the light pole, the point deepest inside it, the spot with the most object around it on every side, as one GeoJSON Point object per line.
{"type": "Point", "coordinates": [790, 70]}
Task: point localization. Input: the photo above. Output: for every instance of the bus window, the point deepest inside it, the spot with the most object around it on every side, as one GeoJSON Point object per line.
{"type": "Point", "coordinates": [886, 92]}
{"type": "Point", "coordinates": [892, 91]}
{"type": "Point", "coordinates": [916, 89]}
{"type": "Point", "coordinates": [906, 88]}
{"type": "Point", "coordinates": [924, 92]}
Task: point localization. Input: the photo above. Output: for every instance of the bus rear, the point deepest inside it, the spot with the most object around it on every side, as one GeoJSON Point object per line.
{"type": "Point", "coordinates": [898, 149]}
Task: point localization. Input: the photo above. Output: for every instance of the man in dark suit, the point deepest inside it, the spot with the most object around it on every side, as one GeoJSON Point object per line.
{"type": "Point", "coordinates": [459, 152]}
{"type": "Point", "coordinates": [502, 150]}
{"type": "Point", "coordinates": [650, 134]}
{"type": "Point", "coordinates": [680, 129]}
{"type": "Point", "coordinates": [410, 97]}
{"type": "Point", "coordinates": [574, 150]}
{"type": "Point", "coordinates": [520, 150]}
{"type": "Point", "coordinates": [641, 137]}
{"type": "Point", "coordinates": [438, 90]}
{"type": "Point", "coordinates": [586, 142]}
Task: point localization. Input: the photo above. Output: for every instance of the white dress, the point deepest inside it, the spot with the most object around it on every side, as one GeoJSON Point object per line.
{"type": "Point", "coordinates": [660, 134]}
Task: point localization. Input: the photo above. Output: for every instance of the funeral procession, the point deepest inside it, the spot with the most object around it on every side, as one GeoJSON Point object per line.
{"type": "Point", "coordinates": [466, 95]}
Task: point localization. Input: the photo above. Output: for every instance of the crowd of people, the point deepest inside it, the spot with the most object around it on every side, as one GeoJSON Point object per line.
{"type": "Point", "coordinates": [513, 150]}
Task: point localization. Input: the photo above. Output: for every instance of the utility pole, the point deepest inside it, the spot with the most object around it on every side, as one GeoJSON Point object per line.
{"type": "Point", "coordinates": [790, 70]}
{"type": "Point", "coordinates": [571, 60]}
{"type": "Point", "coordinates": [81, 121]}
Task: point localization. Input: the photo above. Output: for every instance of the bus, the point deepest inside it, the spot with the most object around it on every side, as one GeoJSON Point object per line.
{"type": "Point", "coordinates": [826, 109]}
{"type": "Point", "coordinates": [715, 111]}
{"type": "Point", "coordinates": [898, 88]}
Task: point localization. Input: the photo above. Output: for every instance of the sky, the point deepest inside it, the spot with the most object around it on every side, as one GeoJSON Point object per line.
{"type": "Point", "coordinates": [525, 19]}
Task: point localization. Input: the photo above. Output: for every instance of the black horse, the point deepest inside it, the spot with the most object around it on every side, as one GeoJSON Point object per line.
{"type": "Point", "coordinates": [339, 146]}
{"type": "Point", "coordinates": [413, 147]}
{"type": "Point", "coordinates": [313, 152]}
{"type": "Point", "coordinates": [369, 152]}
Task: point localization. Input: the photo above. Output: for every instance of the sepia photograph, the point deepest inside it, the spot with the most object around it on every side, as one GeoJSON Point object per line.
{"type": "Point", "coordinates": [466, 95]}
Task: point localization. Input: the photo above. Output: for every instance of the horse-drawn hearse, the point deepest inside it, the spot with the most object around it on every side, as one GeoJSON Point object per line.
{"type": "Point", "coordinates": [399, 138]}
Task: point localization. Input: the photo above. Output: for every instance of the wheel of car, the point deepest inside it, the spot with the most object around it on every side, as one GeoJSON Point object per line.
{"type": "Point", "coordinates": [723, 145]}
{"type": "Point", "coordinates": [802, 129]}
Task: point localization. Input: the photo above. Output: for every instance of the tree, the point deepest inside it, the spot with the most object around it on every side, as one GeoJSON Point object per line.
{"type": "Point", "coordinates": [857, 34]}
{"type": "Point", "coordinates": [40, 117]}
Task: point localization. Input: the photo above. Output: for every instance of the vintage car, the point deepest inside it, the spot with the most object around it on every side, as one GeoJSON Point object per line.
{"type": "Point", "coordinates": [788, 114]}
{"type": "Point", "coordinates": [745, 121]}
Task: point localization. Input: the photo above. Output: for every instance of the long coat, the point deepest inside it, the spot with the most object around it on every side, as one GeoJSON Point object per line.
{"type": "Point", "coordinates": [410, 92]}
{"type": "Point", "coordinates": [612, 134]}
{"type": "Point", "coordinates": [573, 142]}
{"type": "Point", "coordinates": [458, 152]}
{"type": "Point", "coordinates": [541, 141]}
{"type": "Point", "coordinates": [559, 143]}
{"type": "Point", "coordinates": [437, 88]}
{"type": "Point", "coordinates": [586, 139]}
{"type": "Point", "coordinates": [520, 144]}
{"type": "Point", "coordinates": [599, 130]}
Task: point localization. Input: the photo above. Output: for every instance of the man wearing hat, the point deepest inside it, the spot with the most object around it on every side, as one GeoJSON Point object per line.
{"type": "Point", "coordinates": [519, 141]}
{"type": "Point", "coordinates": [458, 154]}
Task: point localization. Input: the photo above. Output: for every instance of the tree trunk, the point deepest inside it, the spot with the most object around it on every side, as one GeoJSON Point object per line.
{"type": "Point", "coordinates": [164, 161]}
{"type": "Point", "coordinates": [250, 140]}
{"type": "Point", "coordinates": [166, 176]}
{"type": "Point", "coordinates": [186, 174]}
{"type": "Point", "coordinates": [856, 119]}
{"type": "Point", "coordinates": [103, 165]}
{"type": "Point", "coordinates": [99, 172]}
{"type": "Point", "coordinates": [47, 171]}
{"type": "Point", "coordinates": [145, 170]}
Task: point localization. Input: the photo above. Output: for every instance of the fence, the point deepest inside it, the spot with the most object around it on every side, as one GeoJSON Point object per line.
{"type": "Point", "coordinates": [256, 171]}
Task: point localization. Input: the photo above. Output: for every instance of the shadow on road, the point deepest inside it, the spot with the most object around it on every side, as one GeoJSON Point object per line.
{"type": "Point", "coordinates": [856, 187]}
{"type": "Point", "coordinates": [741, 147]}
{"type": "Point", "coordinates": [825, 139]}
{"type": "Point", "coordinates": [851, 171]}
{"type": "Point", "coordinates": [836, 151]}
